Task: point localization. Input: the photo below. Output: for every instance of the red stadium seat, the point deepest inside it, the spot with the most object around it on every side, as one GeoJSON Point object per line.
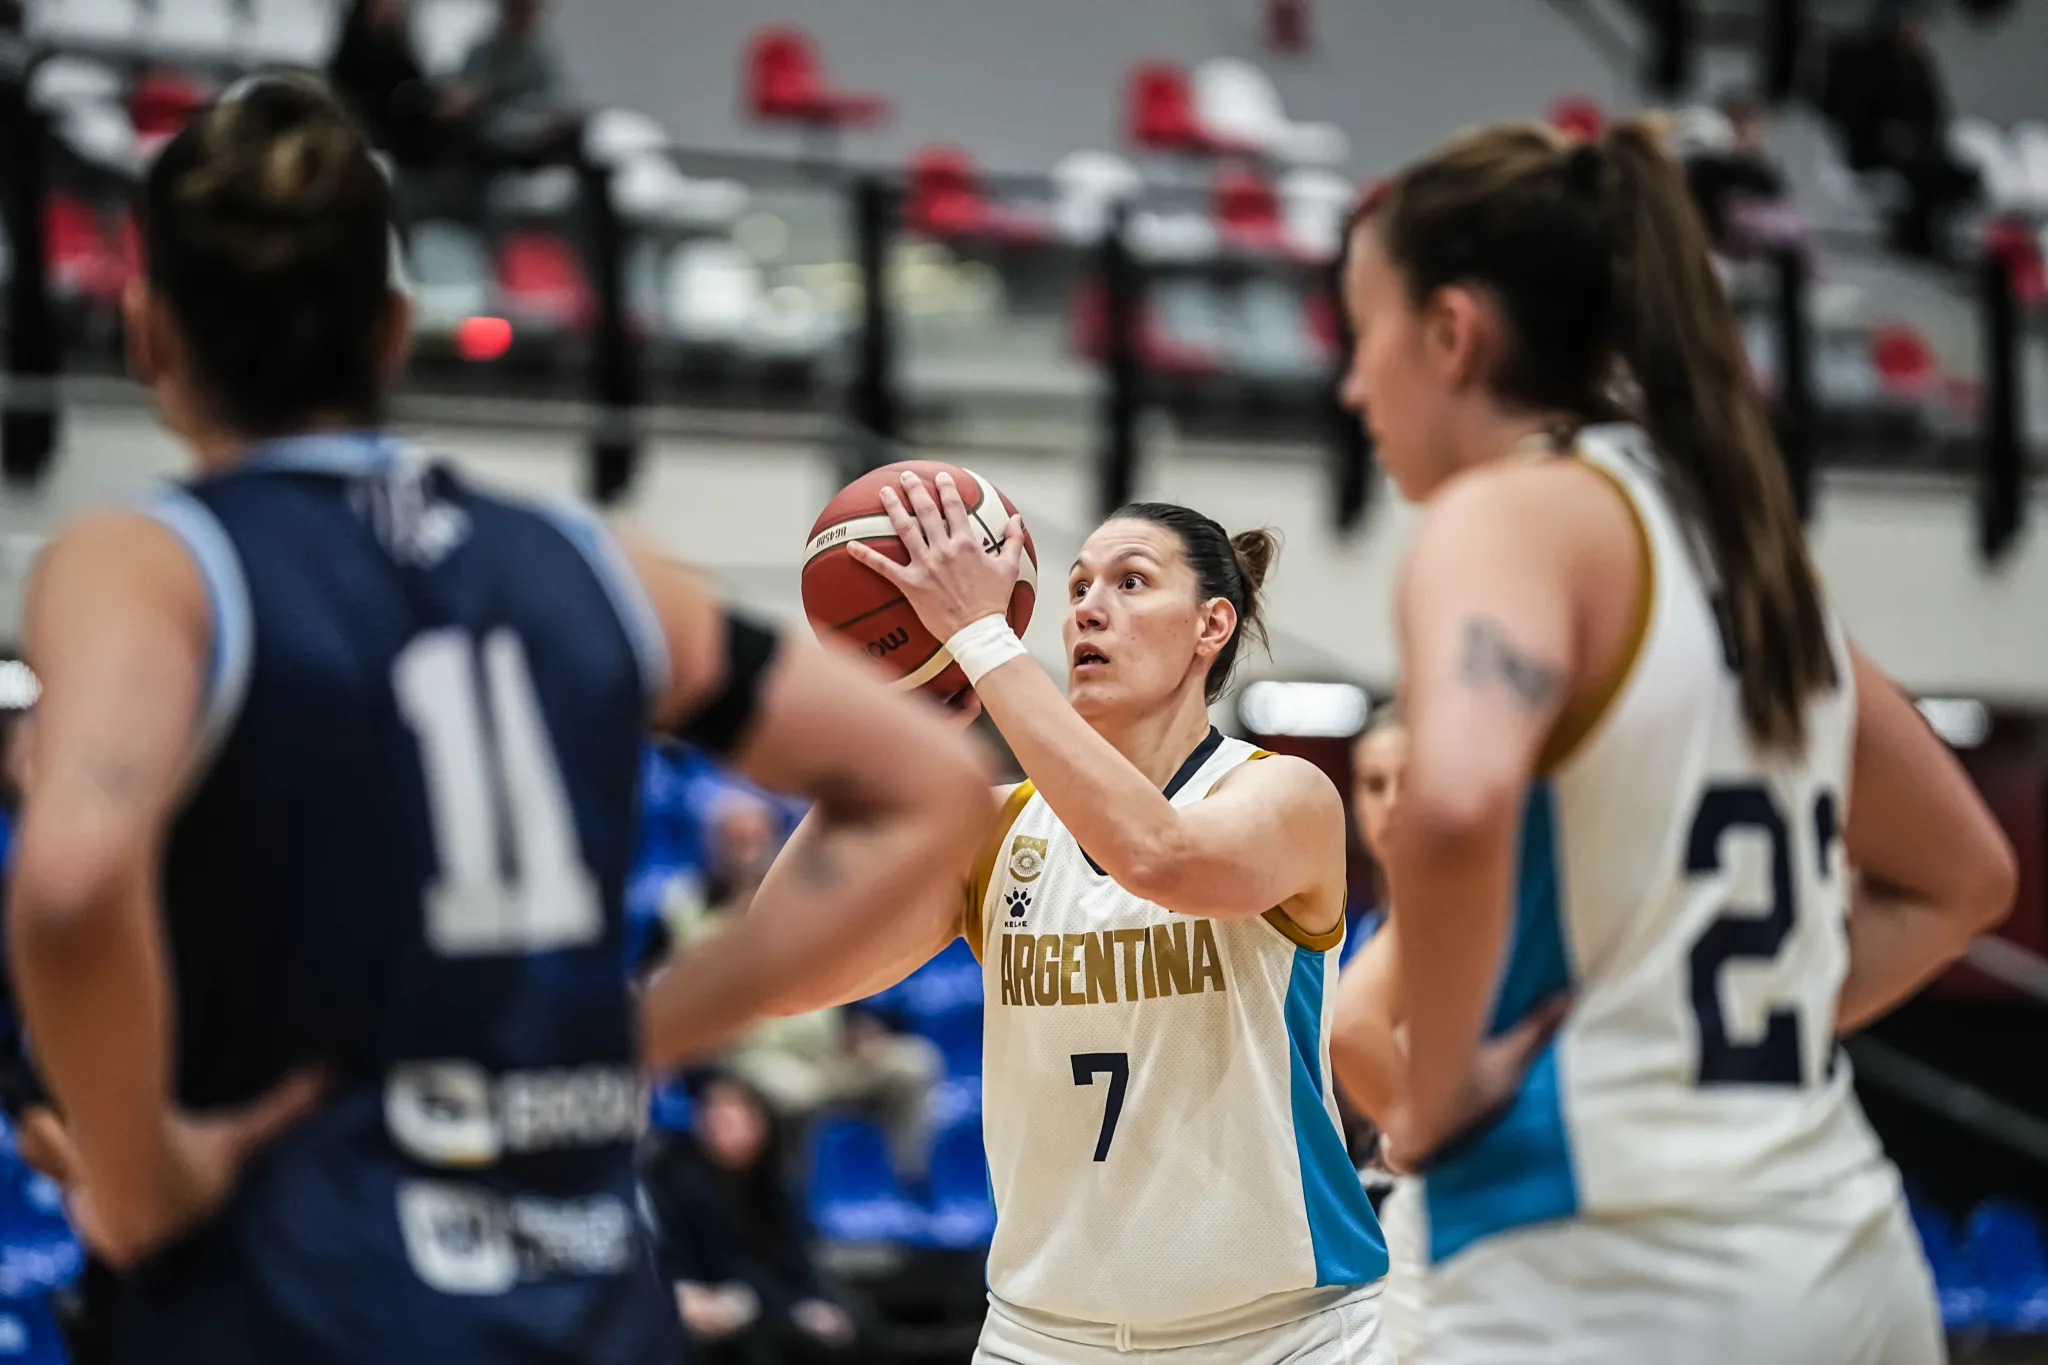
{"type": "Point", "coordinates": [2010, 240]}
{"type": "Point", "coordinates": [85, 261]}
{"type": "Point", "coordinates": [162, 102]}
{"type": "Point", "coordinates": [946, 199]}
{"type": "Point", "coordinates": [1162, 112]}
{"type": "Point", "coordinates": [542, 283]}
{"type": "Point", "coordinates": [1905, 363]}
{"type": "Point", "coordinates": [1158, 350]}
{"type": "Point", "coordinates": [945, 193]}
{"type": "Point", "coordinates": [786, 83]}
{"type": "Point", "coordinates": [1247, 210]}
{"type": "Point", "coordinates": [1578, 117]}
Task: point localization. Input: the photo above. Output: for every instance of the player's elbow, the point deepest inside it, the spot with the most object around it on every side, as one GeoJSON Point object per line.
{"type": "Point", "coordinates": [1987, 884]}
{"type": "Point", "coordinates": [61, 894]}
{"type": "Point", "coordinates": [1158, 866]}
{"type": "Point", "coordinates": [1447, 821]}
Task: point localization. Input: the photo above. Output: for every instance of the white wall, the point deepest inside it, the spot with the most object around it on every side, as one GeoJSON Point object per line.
{"type": "Point", "coordinates": [1898, 557]}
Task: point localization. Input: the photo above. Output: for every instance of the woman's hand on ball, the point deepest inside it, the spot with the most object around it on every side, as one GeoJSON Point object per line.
{"type": "Point", "coordinates": [953, 578]}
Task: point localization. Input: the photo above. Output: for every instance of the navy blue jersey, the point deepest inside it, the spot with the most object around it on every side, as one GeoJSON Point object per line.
{"type": "Point", "coordinates": [402, 860]}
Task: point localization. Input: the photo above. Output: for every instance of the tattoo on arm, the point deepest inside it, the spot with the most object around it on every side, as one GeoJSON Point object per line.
{"type": "Point", "coordinates": [1491, 657]}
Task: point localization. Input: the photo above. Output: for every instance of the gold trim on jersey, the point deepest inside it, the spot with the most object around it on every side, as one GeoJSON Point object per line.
{"type": "Point", "coordinates": [1300, 937]}
{"type": "Point", "coordinates": [973, 921]}
{"type": "Point", "coordinates": [1577, 724]}
{"type": "Point", "coordinates": [1284, 922]}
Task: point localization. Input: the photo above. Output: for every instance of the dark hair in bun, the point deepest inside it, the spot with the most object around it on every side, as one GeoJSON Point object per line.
{"type": "Point", "coordinates": [1231, 567]}
{"type": "Point", "coordinates": [266, 229]}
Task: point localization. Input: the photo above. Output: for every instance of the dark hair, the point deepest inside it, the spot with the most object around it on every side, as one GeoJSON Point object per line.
{"type": "Point", "coordinates": [1231, 567]}
{"type": "Point", "coordinates": [267, 231]}
{"type": "Point", "coordinates": [1598, 262]}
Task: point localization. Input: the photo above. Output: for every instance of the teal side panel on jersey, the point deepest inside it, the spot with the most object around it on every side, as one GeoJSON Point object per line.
{"type": "Point", "coordinates": [1349, 1248]}
{"type": "Point", "coordinates": [1516, 1170]}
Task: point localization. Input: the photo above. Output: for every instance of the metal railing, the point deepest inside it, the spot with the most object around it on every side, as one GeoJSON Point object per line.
{"type": "Point", "coordinates": [873, 410]}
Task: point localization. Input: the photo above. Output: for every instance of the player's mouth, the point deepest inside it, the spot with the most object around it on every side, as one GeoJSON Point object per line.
{"type": "Point", "coordinates": [1087, 658]}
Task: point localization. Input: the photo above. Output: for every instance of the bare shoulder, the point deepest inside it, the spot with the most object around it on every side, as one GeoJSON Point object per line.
{"type": "Point", "coordinates": [1552, 504]}
{"type": "Point", "coordinates": [1525, 527]}
{"type": "Point", "coordinates": [114, 554]}
{"type": "Point", "coordinates": [1285, 778]}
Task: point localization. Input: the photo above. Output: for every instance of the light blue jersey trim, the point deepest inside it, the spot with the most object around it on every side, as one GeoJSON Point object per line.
{"type": "Point", "coordinates": [234, 622]}
{"type": "Point", "coordinates": [325, 452]}
{"type": "Point", "coordinates": [629, 598]}
{"type": "Point", "coordinates": [1517, 1170]}
{"type": "Point", "coordinates": [1349, 1248]}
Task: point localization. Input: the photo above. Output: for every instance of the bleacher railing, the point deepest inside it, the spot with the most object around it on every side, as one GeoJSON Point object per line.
{"type": "Point", "coordinates": [864, 390]}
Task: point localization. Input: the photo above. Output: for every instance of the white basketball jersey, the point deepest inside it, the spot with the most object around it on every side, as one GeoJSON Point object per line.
{"type": "Point", "coordinates": [1161, 1125]}
{"type": "Point", "coordinates": [1690, 893]}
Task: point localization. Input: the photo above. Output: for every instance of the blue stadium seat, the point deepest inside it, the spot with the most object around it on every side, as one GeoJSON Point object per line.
{"type": "Point", "coordinates": [942, 1001]}
{"type": "Point", "coordinates": [855, 1195]}
{"type": "Point", "coordinates": [963, 1213]}
{"type": "Point", "coordinates": [1956, 1281]}
{"type": "Point", "coordinates": [957, 1035]}
{"type": "Point", "coordinates": [2012, 1256]}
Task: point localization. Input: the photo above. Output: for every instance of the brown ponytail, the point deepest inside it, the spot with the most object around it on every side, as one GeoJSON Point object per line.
{"type": "Point", "coordinates": [267, 230]}
{"type": "Point", "coordinates": [1601, 271]}
{"type": "Point", "coordinates": [1674, 331]}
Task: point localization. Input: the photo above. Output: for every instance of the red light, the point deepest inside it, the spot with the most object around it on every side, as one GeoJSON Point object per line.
{"type": "Point", "coordinates": [483, 338]}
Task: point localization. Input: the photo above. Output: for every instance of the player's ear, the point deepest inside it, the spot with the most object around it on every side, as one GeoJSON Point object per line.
{"type": "Point", "coordinates": [1459, 333]}
{"type": "Point", "coordinates": [1218, 624]}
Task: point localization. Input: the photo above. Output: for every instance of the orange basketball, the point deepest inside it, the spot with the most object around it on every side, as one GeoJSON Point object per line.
{"type": "Point", "coordinates": [847, 599]}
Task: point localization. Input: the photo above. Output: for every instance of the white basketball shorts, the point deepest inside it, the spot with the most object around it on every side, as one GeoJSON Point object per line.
{"type": "Point", "coordinates": [1347, 1334]}
{"type": "Point", "coordinates": [1834, 1278]}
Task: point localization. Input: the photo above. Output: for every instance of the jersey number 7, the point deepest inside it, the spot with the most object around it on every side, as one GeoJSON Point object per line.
{"type": "Point", "coordinates": [1117, 1065]}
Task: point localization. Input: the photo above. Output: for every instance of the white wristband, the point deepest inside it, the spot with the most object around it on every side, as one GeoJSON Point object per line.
{"type": "Point", "coordinates": [983, 646]}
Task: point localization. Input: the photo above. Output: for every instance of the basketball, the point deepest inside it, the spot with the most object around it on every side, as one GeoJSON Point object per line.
{"type": "Point", "coordinates": [847, 599]}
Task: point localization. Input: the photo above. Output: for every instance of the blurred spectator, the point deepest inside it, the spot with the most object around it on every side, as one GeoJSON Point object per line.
{"type": "Point", "coordinates": [730, 1239]}
{"type": "Point", "coordinates": [1735, 181]}
{"type": "Point", "coordinates": [1378, 761]}
{"type": "Point", "coordinates": [375, 69]}
{"type": "Point", "coordinates": [1891, 108]}
{"type": "Point", "coordinates": [512, 86]}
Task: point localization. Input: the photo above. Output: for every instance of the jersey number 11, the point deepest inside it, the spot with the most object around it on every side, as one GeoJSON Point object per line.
{"type": "Point", "coordinates": [511, 877]}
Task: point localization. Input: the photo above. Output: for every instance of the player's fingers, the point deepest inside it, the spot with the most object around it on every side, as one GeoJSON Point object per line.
{"type": "Point", "coordinates": [927, 511]}
{"type": "Point", "coordinates": [1013, 540]}
{"type": "Point", "coordinates": [958, 521]}
{"type": "Point", "coordinates": [45, 1144]}
{"type": "Point", "coordinates": [1533, 1033]}
{"type": "Point", "coordinates": [881, 563]}
{"type": "Point", "coordinates": [259, 1124]}
{"type": "Point", "coordinates": [906, 525]}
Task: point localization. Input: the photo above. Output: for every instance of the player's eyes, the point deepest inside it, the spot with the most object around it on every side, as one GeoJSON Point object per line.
{"type": "Point", "coordinates": [1079, 589]}
{"type": "Point", "coordinates": [1132, 582]}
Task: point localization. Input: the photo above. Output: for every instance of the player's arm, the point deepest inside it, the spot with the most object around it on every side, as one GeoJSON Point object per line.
{"type": "Point", "coordinates": [1489, 652]}
{"type": "Point", "coordinates": [119, 630]}
{"type": "Point", "coordinates": [1268, 836]}
{"type": "Point", "coordinates": [917, 933]}
{"type": "Point", "coordinates": [899, 806]}
{"type": "Point", "coordinates": [1933, 869]}
{"type": "Point", "coordinates": [1366, 1052]}
{"type": "Point", "coordinates": [1271, 834]}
